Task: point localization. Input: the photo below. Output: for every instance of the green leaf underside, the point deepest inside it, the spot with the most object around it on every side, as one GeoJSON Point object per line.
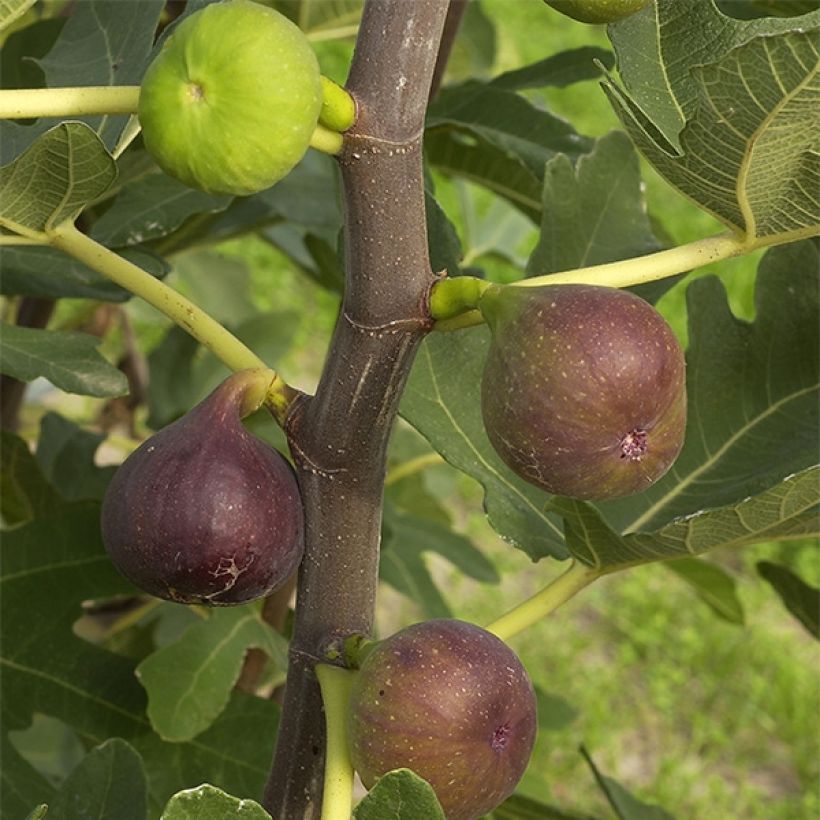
{"type": "Point", "coordinates": [657, 49]}
{"type": "Point", "coordinates": [750, 152]}
{"type": "Point", "coordinates": [209, 803]}
{"type": "Point", "coordinates": [625, 805]}
{"type": "Point", "coordinates": [712, 584]}
{"type": "Point", "coordinates": [53, 564]}
{"type": "Point", "coordinates": [442, 401]}
{"type": "Point", "coordinates": [787, 510]}
{"type": "Point", "coordinates": [400, 795]}
{"type": "Point", "coordinates": [752, 416]}
{"type": "Point", "coordinates": [11, 10]}
{"type": "Point", "coordinates": [68, 360]}
{"type": "Point", "coordinates": [109, 782]}
{"type": "Point", "coordinates": [189, 681]}
{"type": "Point", "coordinates": [800, 598]}
{"type": "Point", "coordinates": [55, 178]}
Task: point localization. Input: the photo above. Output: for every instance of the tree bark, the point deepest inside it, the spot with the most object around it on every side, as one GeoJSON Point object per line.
{"type": "Point", "coordinates": [339, 437]}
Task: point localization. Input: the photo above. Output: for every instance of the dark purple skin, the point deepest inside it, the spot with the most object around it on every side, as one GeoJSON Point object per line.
{"type": "Point", "coordinates": [203, 512]}
{"type": "Point", "coordinates": [584, 389]}
{"type": "Point", "coordinates": [453, 703]}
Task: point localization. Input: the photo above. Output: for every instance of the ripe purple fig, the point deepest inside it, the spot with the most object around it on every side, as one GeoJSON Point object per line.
{"type": "Point", "coordinates": [203, 512]}
{"type": "Point", "coordinates": [450, 701]}
{"type": "Point", "coordinates": [583, 392]}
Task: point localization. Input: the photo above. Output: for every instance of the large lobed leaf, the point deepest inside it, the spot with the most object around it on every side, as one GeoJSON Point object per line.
{"type": "Point", "coordinates": [657, 48]}
{"type": "Point", "coordinates": [189, 681]}
{"type": "Point", "coordinates": [732, 122]}
{"type": "Point", "coordinates": [103, 42]}
{"type": "Point", "coordinates": [49, 567]}
{"type": "Point", "coordinates": [789, 510]}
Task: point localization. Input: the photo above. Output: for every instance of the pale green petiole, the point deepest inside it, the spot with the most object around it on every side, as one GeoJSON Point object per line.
{"type": "Point", "coordinates": [534, 609]}
{"type": "Point", "coordinates": [175, 306]}
{"type": "Point", "coordinates": [336, 684]}
{"type": "Point", "coordinates": [451, 306]}
{"type": "Point", "coordinates": [68, 102]}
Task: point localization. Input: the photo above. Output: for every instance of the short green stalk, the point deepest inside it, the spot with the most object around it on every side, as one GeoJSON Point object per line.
{"type": "Point", "coordinates": [534, 609]}
{"type": "Point", "coordinates": [325, 140]}
{"type": "Point", "coordinates": [336, 684]}
{"type": "Point", "coordinates": [176, 307]}
{"type": "Point", "coordinates": [338, 107]}
{"type": "Point", "coordinates": [28, 103]}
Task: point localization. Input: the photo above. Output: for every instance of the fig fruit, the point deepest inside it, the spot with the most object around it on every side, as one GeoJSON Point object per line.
{"type": "Point", "coordinates": [597, 11]}
{"type": "Point", "coordinates": [583, 391]}
{"type": "Point", "coordinates": [231, 101]}
{"type": "Point", "coordinates": [450, 701]}
{"type": "Point", "coordinates": [203, 512]}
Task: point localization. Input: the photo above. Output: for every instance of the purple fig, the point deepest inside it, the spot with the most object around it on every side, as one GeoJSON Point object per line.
{"type": "Point", "coordinates": [583, 392]}
{"type": "Point", "coordinates": [450, 701]}
{"type": "Point", "coordinates": [203, 512]}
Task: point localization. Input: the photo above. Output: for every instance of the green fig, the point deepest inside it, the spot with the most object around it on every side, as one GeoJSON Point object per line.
{"type": "Point", "coordinates": [231, 101]}
{"type": "Point", "coordinates": [597, 11]}
{"type": "Point", "coordinates": [450, 701]}
{"type": "Point", "coordinates": [583, 391]}
{"type": "Point", "coordinates": [203, 512]}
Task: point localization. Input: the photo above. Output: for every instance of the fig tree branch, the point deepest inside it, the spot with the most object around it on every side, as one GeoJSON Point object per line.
{"type": "Point", "coordinates": [339, 437]}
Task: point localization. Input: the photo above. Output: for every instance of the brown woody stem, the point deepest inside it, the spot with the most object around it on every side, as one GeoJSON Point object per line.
{"type": "Point", "coordinates": [339, 437]}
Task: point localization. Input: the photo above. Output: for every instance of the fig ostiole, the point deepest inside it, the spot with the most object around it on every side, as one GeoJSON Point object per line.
{"type": "Point", "coordinates": [231, 101]}
{"type": "Point", "coordinates": [583, 391]}
{"type": "Point", "coordinates": [451, 702]}
{"type": "Point", "coordinates": [203, 512]}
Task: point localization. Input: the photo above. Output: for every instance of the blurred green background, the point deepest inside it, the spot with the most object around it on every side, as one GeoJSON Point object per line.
{"type": "Point", "coordinates": [703, 717]}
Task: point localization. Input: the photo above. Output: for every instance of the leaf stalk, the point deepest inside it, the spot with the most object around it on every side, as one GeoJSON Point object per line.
{"type": "Point", "coordinates": [534, 609]}
{"type": "Point", "coordinates": [29, 103]}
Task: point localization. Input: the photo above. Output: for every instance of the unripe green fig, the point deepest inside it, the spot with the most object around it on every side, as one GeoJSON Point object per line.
{"type": "Point", "coordinates": [597, 11]}
{"type": "Point", "coordinates": [583, 391]}
{"type": "Point", "coordinates": [229, 104]}
{"type": "Point", "coordinates": [203, 512]}
{"type": "Point", "coordinates": [450, 701]}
